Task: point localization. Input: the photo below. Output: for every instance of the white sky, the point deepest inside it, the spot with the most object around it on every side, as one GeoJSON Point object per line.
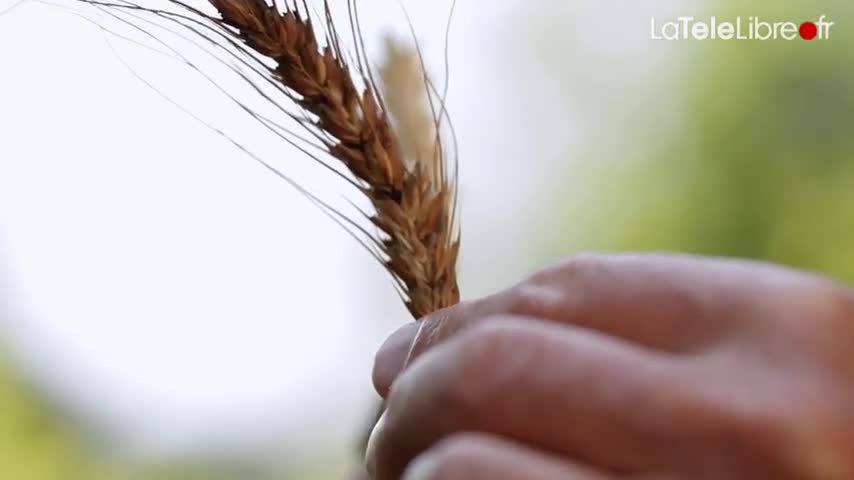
{"type": "Point", "coordinates": [182, 297]}
{"type": "Point", "coordinates": [170, 288]}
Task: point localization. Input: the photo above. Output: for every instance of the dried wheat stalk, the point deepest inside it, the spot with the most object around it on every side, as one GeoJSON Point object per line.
{"type": "Point", "coordinates": [413, 201]}
{"type": "Point", "coordinates": [403, 80]}
{"type": "Point", "coordinates": [407, 183]}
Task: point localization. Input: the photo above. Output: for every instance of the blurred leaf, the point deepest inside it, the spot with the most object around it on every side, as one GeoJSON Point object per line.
{"type": "Point", "coordinates": [33, 445]}
{"type": "Point", "coordinates": [742, 148]}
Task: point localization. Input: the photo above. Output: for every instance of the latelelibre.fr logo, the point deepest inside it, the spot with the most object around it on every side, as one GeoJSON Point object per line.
{"type": "Point", "coordinates": [752, 28]}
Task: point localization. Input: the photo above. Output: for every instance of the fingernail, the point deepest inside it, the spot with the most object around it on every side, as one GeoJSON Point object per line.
{"type": "Point", "coordinates": [370, 453]}
{"type": "Point", "coordinates": [391, 356]}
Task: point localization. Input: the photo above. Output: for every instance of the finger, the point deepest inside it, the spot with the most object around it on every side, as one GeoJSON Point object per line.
{"type": "Point", "coordinates": [392, 355]}
{"type": "Point", "coordinates": [481, 457]}
{"type": "Point", "coordinates": [667, 302]}
{"type": "Point", "coordinates": [560, 388]}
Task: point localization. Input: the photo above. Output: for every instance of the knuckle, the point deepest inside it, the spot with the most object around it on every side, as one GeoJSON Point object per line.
{"type": "Point", "coordinates": [553, 291]}
{"type": "Point", "coordinates": [791, 432]}
{"type": "Point", "coordinates": [535, 300]}
{"type": "Point", "coordinates": [575, 267]}
{"type": "Point", "coordinates": [487, 367]}
{"type": "Point", "coordinates": [823, 315]}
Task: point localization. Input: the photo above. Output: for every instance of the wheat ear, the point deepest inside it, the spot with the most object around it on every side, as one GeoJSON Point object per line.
{"type": "Point", "coordinates": [407, 183]}
{"type": "Point", "coordinates": [413, 201]}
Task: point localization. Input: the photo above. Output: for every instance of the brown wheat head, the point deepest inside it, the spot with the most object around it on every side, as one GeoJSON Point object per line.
{"type": "Point", "coordinates": [413, 200]}
{"type": "Point", "coordinates": [408, 184]}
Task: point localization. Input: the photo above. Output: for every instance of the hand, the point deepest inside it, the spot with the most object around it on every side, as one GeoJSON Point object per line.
{"type": "Point", "coordinates": [626, 367]}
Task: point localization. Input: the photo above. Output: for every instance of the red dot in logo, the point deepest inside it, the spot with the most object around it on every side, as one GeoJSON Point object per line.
{"type": "Point", "coordinates": [808, 30]}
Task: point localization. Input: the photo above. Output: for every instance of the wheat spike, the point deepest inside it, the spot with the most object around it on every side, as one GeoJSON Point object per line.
{"type": "Point", "coordinates": [413, 200]}
{"type": "Point", "coordinates": [417, 238]}
{"type": "Point", "coordinates": [407, 182]}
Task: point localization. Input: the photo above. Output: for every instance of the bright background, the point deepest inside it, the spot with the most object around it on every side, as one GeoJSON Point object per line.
{"type": "Point", "coordinates": [169, 309]}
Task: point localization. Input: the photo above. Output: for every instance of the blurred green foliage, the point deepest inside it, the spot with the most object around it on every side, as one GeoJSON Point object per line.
{"type": "Point", "coordinates": [34, 445]}
{"type": "Point", "coordinates": [39, 443]}
{"type": "Point", "coordinates": [737, 148]}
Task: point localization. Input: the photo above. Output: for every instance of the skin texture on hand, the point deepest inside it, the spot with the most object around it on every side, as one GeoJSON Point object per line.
{"type": "Point", "coordinates": [626, 367]}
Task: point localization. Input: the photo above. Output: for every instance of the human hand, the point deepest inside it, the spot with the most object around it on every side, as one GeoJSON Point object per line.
{"type": "Point", "coordinates": [626, 367]}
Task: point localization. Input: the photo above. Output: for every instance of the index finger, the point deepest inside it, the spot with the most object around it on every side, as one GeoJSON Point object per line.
{"type": "Point", "coordinates": [671, 303]}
